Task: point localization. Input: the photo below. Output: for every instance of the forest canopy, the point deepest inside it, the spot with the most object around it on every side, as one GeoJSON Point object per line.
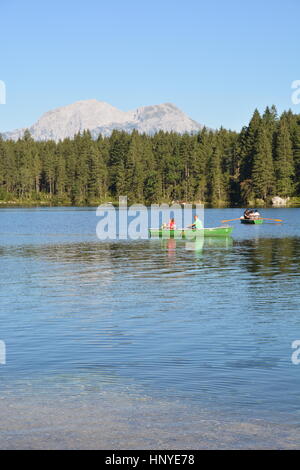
{"type": "Point", "coordinates": [220, 167]}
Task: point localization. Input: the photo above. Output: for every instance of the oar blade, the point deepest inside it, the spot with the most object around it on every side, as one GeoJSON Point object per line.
{"type": "Point", "coordinates": [266, 218]}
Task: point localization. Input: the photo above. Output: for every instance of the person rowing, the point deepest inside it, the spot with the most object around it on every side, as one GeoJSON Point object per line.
{"type": "Point", "coordinates": [247, 214]}
{"type": "Point", "coordinates": [251, 214]}
{"type": "Point", "coordinates": [197, 224]}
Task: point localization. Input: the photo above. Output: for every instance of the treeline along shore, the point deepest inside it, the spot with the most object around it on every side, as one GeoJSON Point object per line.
{"type": "Point", "coordinates": [220, 167]}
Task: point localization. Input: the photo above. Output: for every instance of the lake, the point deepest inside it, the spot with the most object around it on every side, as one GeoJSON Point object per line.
{"type": "Point", "coordinates": [162, 343]}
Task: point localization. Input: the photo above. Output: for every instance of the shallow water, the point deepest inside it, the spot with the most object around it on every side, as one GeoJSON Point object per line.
{"type": "Point", "coordinates": [184, 332]}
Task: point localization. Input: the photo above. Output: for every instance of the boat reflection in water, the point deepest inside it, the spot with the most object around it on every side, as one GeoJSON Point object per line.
{"type": "Point", "coordinates": [213, 242]}
{"type": "Point", "coordinates": [198, 245]}
{"type": "Point", "coordinates": [171, 247]}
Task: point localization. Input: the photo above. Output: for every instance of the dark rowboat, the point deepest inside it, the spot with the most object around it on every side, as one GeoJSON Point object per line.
{"type": "Point", "coordinates": [251, 221]}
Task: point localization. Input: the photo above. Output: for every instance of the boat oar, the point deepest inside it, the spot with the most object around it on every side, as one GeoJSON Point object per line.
{"type": "Point", "coordinates": [230, 220]}
{"type": "Point", "coordinates": [259, 218]}
{"type": "Point", "coordinates": [265, 218]}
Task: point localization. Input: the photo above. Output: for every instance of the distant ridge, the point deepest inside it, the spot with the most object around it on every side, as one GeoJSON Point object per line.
{"type": "Point", "coordinates": [101, 118]}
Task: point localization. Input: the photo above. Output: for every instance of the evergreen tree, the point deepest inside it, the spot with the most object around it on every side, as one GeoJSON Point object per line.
{"type": "Point", "coordinates": [296, 154]}
{"type": "Point", "coordinates": [134, 175]}
{"type": "Point", "coordinates": [263, 169]}
{"type": "Point", "coordinates": [249, 146]}
{"type": "Point", "coordinates": [284, 167]}
{"type": "Point", "coordinates": [215, 180]}
{"type": "Point", "coordinates": [119, 144]}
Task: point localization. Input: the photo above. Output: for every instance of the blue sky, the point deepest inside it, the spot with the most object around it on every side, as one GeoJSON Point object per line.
{"type": "Point", "coordinates": [216, 60]}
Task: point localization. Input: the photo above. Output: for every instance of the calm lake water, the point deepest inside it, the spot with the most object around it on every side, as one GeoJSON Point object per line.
{"type": "Point", "coordinates": [206, 326]}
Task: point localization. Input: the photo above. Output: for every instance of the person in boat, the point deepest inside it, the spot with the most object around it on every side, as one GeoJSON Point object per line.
{"type": "Point", "coordinates": [197, 223]}
{"type": "Point", "coordinates": [171, 224]}
{"type": "Point", "coordinates": [255, 214]}
{"type": "Point", "coordinates": [251, 214]}
{"type": "Point", "coordinates": [247, 214]}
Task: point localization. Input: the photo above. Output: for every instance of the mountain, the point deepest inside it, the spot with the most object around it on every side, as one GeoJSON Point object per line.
{"type": "Point", "coordinates": [150, 119]}
{"type": "Point", "coordinates": [102, 118]}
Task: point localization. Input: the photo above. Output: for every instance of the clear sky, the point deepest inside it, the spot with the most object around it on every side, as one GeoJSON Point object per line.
{"type": "Point", "coordinates": [217, 60]}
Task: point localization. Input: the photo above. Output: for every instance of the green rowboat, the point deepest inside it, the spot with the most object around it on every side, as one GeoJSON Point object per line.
{"type": "Point", "coordinates": [190, 233]}
{"type": "Point", "coordinates": [252, 221]}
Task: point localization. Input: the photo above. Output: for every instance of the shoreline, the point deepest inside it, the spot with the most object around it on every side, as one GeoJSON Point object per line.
{"type": "Point", "coordinates": [16, 204]}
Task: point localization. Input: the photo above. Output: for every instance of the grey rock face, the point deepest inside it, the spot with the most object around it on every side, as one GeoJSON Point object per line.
{"type": "Point", "coordinates": [101, 118]}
